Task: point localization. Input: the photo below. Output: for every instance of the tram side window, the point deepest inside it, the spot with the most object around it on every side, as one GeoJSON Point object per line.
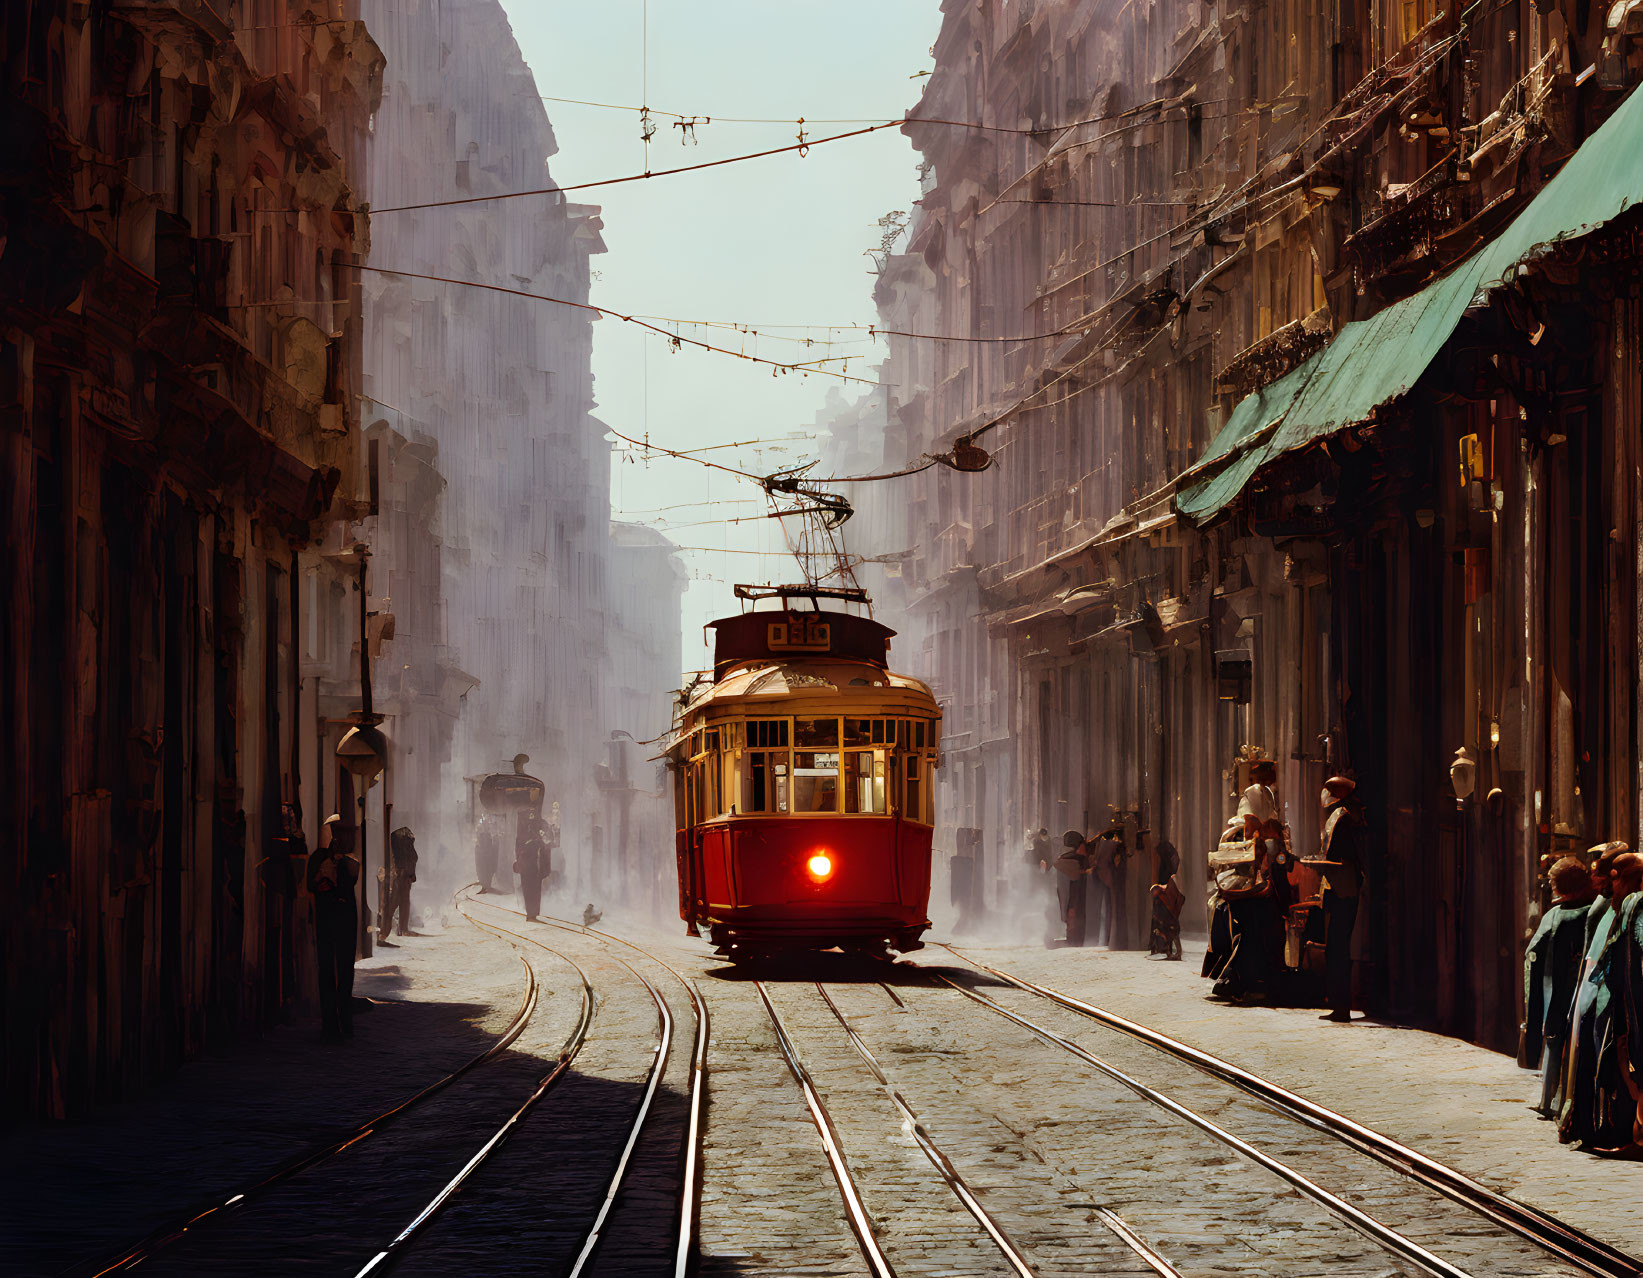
{"type": "Point", "coordinates": [864, 781]}
{"type": "Point", "coordinates": [764, 781]}
{"type": "Point", "coordinates": [707, 778]}
{"type": "Point", "coordinates": [915, 789]}
{"type": "Point", "coordinates": [816, 779]}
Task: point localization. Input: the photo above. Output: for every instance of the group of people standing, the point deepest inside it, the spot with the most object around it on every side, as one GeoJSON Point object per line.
{"type": "Point", "coordinates": [1583, 999]}
{"type": "Point", "coordinates": [1090, 875]}
{"type": "Point", "coordinates": [1266, 904]}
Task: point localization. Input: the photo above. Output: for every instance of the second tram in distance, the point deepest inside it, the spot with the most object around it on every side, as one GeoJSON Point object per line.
{"type": "Point", "coordinates": [803, 774]}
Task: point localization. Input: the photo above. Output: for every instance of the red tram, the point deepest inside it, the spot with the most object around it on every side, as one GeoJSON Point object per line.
{"type": "Point", "coordinates": [802, 786]}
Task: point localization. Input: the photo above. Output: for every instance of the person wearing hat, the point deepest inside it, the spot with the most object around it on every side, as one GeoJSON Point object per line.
{"type": "Point", "coordinates": [401, 874]}
{"type": "Point", "coordinates": [1551, 966]}
{"type": "Point", "coordinates": [333, 871]}
{"type": "Point", "coordinates": [1341, 858]}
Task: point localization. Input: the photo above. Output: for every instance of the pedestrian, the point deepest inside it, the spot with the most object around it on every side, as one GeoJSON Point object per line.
{"type": "Point", "coordinates": [487, 853]}
{"type": "Point", "coordinates": [1254, 922]}
{"type": "Point", "coordinates": [1167, 900]}
{"type": "Point", "coordinates": [401, 874]}
{"type": "Point", "coordinates": [1341, 858]}
{"type": "Point", "coordinates": [1630, 983]}
{"type": "Point", "coordinates": [532, 861]}
{"type": "Point", "coordinates": [1598, 922]}
{"type": "Point", "coordinates": [1551, 967]}
{"type": "Point", "coordinates": [553, 834]}
{"type": "Point", "coordinates": [1107, 856]}
{"type": "Point", "coordinates": [333, 871]}
{"type": "Point", "coordinates": [1075, 865]}
{"type": "Point", "coordinates": [1264, 824]}
{"type": "Point", "coordinates": [1218, 952]}
{"type": "Point", "coordinates": [1595, 1115]}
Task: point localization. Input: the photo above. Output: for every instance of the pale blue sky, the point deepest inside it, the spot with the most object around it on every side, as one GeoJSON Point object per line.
{"type": "Point", "coordinates": [772, 241]}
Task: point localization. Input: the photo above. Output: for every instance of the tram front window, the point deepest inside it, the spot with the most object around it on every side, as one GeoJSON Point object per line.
{"type": "Point", "coordinates": [816, 780]}
{"type": "Point", "coordinates": [818, 734]}
{"type": "Point", "coordinates": [764, 781]}
{"type": "Point", "coordinates": [864, 781]}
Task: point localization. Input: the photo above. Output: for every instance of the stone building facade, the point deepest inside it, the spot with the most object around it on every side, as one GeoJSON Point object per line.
{"type": "Point", "coordinates": [550, 633]}
{"type": "Point", "coordinates": [503, 386]}
{"type": "Point", "coordinates": [644, 659]}
{"type": "Point", "coordinates": [1177, 277]}
{"type": "Point", "coordinates": [180, 341]}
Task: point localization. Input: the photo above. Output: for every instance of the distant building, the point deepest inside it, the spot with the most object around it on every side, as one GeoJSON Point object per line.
{"type": "Point", "coordinates": [503, 387]}
{"type": "Point", "coordinates": [644, 656]}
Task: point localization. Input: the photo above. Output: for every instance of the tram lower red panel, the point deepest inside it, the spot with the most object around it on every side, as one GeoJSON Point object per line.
{"type": "Point", "coordinates": [752, 878]}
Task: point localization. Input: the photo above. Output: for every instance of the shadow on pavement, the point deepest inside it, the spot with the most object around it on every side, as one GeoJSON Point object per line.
{"type": "Point", "coordinates": [838, 968]}
{"type": "Point", "coordinates": [75, 1192]}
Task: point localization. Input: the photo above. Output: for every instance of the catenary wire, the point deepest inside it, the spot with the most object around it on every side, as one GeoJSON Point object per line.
{"type": "Point", "coordinates": [677, 339]}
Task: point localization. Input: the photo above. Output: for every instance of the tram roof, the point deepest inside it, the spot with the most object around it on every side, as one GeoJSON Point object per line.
{"type": "Point", "coordinates": [812, 687]}
{"type": "Point", "coordinates": [760, 636]}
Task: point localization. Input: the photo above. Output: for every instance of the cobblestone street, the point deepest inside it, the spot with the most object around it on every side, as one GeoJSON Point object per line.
{"type": "Point", "coordinates": [1069, 1166]}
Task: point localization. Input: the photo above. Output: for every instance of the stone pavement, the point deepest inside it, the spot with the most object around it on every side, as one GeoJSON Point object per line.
{"type": "Point", "coordinates": [73, 1192]}
{"type": "Point", "coordinates": [1045, 1141]}
{"type": "Point", "coordinates": [1453, 1101]}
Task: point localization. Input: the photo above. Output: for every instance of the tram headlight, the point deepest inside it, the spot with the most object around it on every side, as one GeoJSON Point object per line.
{"type": "Point", "coordinates": [820, 866]}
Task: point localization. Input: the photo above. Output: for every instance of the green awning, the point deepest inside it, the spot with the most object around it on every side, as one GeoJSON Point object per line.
{"type": "Point", "coordinates": [1373, 361]}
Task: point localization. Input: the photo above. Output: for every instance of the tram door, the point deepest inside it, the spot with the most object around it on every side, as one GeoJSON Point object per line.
{"type": "Point", "coordinates": [689, 852]}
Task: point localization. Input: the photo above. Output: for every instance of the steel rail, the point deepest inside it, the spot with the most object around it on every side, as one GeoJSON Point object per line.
{"type": "Point", "coordinates": [390, 1253]}
{"type": "Point", "coordinates": [855, 1209]}
{"type": "Point", "coordinates": [691, 1181]}
{"type": "Point", "coordinates": [933, 1152]}
{"type": "Point", "coordinates": [684, 1260]}
{"type": "Point", "coordinates": [1359, 1220]}
{"type": "Point", "coordinates": [955, 1181]}
{"type": "Point", "coordinates": [664, 1039]}
{"type": "Point", "coordinates": [213, 1212]}
{"type": "Point", "coordinates": [1567, 1243]}
{"type": "Point", "coordinates": [1139, 1245]}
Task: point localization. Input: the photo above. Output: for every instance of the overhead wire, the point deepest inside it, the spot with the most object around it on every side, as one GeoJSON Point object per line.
{"type": "Point", "coordinates": [802, 146]}
{"type": "Point", "coordinates": [678, 340]}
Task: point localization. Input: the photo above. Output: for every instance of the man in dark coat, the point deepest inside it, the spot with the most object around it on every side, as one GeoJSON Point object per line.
{"type": "Point", "coordinates": [333, 870]}
{"type": "Point", "coordinates": [532, 861]}
{"type": "Point", "coordinates": [1341, 858]}
{"type": "Point", "coordinates": [1551, 968]}
{"type": "Point", "coordinates": [1074, 865]}
{"type": "Point", "coordinates": [401, 874]}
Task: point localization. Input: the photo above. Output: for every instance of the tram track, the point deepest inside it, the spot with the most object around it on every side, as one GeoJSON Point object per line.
{"type": "Point", "coordinates": [214, 1212]}
{"type": "Point", "coordinates": [385, 1259]}
{"type": "Point", "coordinates": [690, 1191]}
{"type": "Point", "coordinates": [854, 1208]}
{"type": "Point", "coordinates": [1564, 1242]}
{"type": "Point", "coordinates": [956, 1182]}
{"type": "Point", "coordinates": [1354, 1217]}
